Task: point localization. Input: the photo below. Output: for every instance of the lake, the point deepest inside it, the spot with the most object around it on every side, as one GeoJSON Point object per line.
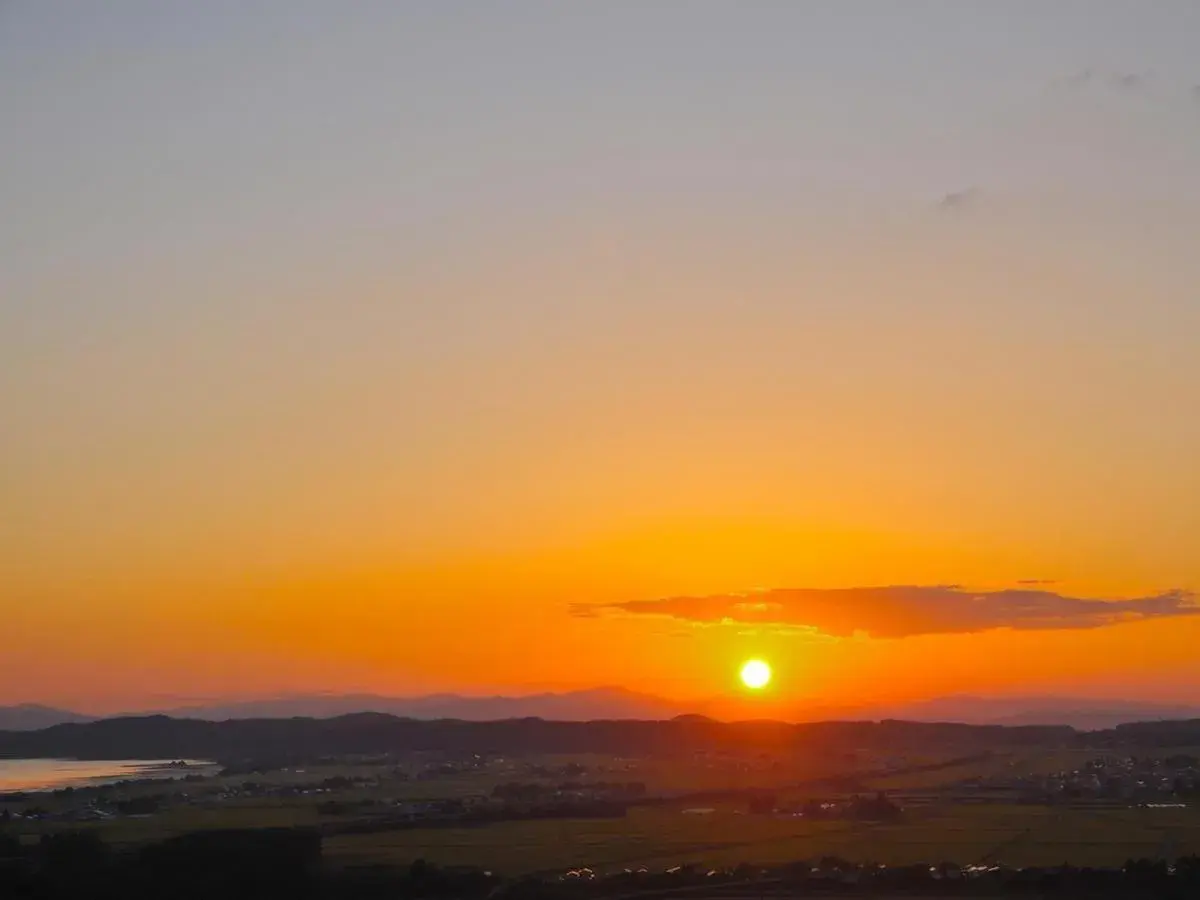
{"type": "Point", "coordinates": [52, 774]}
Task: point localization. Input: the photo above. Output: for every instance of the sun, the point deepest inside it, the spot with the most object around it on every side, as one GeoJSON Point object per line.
{"type": "Point", "coordinates": [756, 674]}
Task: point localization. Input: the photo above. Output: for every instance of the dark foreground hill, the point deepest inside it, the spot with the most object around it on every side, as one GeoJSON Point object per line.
{"type": "Point", "coordinates": [164, 737]}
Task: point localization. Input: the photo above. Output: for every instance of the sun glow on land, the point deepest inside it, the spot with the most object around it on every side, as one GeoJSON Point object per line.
{"type": "Point", "coordinates": [756, 674]}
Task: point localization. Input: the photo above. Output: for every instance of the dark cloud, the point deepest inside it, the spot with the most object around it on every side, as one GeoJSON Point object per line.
{"type": "Point", "coordinates": [959, 200]}
{"type": "Point", "coordinates": [1025, 581]}
{"type": "Point", "coordinates": [898, 611]}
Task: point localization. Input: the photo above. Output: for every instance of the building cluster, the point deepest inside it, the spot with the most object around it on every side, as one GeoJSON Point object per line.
{"type": "Point", "coordinates": [1152, 781]}
{"type": "Point", "coordinates": [874, 808]}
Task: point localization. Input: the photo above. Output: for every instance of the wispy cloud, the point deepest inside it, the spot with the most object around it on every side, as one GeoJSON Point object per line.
{"type": "Point", "coordinates": [898, 611]}
{"type": "Point", "coordinates": [1119, 80]}
{"type": "Point", "coordinates": [959, 201]}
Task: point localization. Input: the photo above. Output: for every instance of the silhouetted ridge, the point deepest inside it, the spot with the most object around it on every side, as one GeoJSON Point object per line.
{"type": "Point", "coordinates": [32, 716]}
{"type": "Point", "coordinates": [164, 737]}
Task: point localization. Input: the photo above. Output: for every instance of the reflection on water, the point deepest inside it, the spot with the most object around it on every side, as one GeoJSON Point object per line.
{"type": "Point", "coordinates": [51, 774]}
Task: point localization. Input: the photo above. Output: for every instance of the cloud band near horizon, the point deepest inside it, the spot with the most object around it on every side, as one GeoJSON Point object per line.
{"type": "Point", "coordinates": [898, 611]}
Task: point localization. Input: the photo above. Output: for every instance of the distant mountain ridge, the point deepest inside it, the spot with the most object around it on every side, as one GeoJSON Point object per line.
{"type": "Point", "coordinates": [34, 717]}
{"type": "Point", "coordinates": [1085, 714]}
{"type": "Point", "coordinates": [619, 703]}
{"type": "Point", "coordinates": [585, 705]}
{"type": "Point", "coordinates": [162, 737]}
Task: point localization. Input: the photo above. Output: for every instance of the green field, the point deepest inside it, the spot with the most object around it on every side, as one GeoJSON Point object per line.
{"type": "Point", "coordinates": [1037, 762]}
{"type": "Point", "coordinates": [657, 838]}
{"type": "Point", "coordinates": [181, 820]}
{"type": "Point", "coordinates": [650, 837]}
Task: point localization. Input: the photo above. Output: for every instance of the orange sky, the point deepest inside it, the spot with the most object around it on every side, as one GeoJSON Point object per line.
{"type": "Point", "coordinates": [232, 530]}
{"type": "Point", "coordinates": [500, 622]}
{"type": "Point", "coordinates": [360, 362]}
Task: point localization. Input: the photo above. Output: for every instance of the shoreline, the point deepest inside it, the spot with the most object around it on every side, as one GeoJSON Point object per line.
{"type": "Point", "coordinates": [48, 775]}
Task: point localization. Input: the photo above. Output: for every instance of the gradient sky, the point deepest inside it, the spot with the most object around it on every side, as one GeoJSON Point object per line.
{"type": "Point", "coordinates": [405, 347]}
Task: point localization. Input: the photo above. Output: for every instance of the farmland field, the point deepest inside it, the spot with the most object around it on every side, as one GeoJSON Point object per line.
{"type": "Point", "coordinates": [937, 825]}
{"type": "Point", "coordinates": [651, 837]}
{"type": "Point", "coordinates": [1012, 835]}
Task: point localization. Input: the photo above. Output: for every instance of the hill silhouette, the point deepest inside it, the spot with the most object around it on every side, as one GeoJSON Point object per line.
{"type": "Point", "coordinates": [33, 716]}
{"type": "Point", "coordinates": [166, 737]}
{"type": "Point", "coordinates": [1090, 714]}
{"type": "Point", "coordinates": [583, 705]}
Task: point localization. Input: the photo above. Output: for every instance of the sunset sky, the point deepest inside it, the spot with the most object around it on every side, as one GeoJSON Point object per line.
{"type": "Point", "coordinates": [500, 347]}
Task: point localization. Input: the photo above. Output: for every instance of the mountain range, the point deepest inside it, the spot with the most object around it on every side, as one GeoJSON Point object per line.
{"type": "Point", "coordinates": [587, 705]}
{"type": "Point", "coordinates": [33, 717]}
{"type": "Point", "coordinates": [1082, 713]}
{"type": "Point", "coordinates": [619, 703]}
{"type": "Point", "coordinates": [277, 740]}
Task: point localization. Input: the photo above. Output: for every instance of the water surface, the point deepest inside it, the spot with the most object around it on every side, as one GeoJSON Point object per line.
{"type": "Point", "coordinates": [52, 774]}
